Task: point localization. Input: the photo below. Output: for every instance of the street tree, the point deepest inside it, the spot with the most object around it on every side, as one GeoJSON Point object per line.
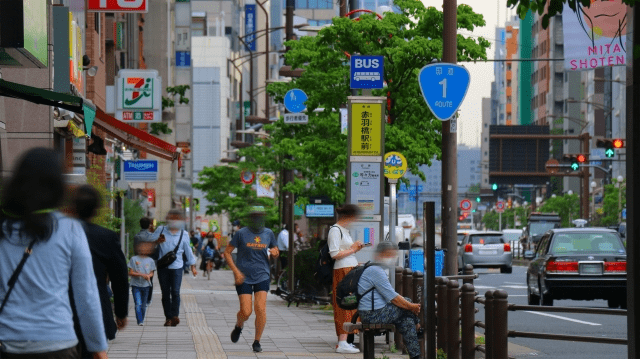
{"type": "Point", "coordinates": [566, 206]}
{"type": "Point", "coordinates": [610, 205]}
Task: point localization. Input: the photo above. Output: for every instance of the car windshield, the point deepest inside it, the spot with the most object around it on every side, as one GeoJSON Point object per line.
{"type": "Point", "coordinates": [511, 236]}
{"type": "Point", "coordinates": [487, 239]}
{"type": "Point", "coordinates": [538, 228]}
{"type": "Point", "coordinates": [585, 242]}
{"type": "Point", "coordinates": [460, 237]}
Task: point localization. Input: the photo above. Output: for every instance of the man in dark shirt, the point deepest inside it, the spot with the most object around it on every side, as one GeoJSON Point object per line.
{"type": "Point", "coordinates": [252, 272]}
{"type": "Point", "coordinates": [108, 260]}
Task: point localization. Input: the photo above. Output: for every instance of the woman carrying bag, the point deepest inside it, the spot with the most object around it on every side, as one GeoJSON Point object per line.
{"type": "Point", "coordinates": [342, 248]}
{"type": "Point", "coordinates": [41, 253]}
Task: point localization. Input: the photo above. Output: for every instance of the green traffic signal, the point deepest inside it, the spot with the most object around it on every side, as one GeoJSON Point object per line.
{"type": "Point", "coordinates": [494, 187]}
{"type": "Point", "coordinates": [477, 199]}
{"type": "Point", "coordinates": [575, 165]}
{"type": "Point", "coordinates": [609, 152]}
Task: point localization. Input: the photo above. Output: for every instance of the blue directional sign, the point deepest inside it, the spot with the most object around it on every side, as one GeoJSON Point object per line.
{"type": "Point", "coordinates": [294, 100]}
{"type": "Point", "coordinates": [444, 86]}
{"type": "Point", "coordinates": [367, 72]}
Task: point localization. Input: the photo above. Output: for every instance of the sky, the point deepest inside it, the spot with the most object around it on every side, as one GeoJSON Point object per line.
{"type": "Point", "coordinates": [495, 13]}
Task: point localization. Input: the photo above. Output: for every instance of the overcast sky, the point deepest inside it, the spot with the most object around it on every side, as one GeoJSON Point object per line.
{"type": "Point", "coordinates": [495, 13]}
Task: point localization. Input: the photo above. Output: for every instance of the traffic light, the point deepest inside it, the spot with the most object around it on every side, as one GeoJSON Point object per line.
{"type": "Point", "coordinates": [494, 187]}
{"type": "Point", "coordinates": [478, 199]}
{"type": "Point", "coordinates": [509, 203]}
{"type": "Point", "coordinates": [575, 160]}
{"type": "Point", "coordinates": [610, 145]}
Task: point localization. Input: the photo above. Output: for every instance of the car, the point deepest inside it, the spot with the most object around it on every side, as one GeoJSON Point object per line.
{"type": "Point", "coordinates": [485, 250]}
{"type": "Point", "coordinates": [578, 264]}
{"type": "Point", "coordinates": [512, 237]}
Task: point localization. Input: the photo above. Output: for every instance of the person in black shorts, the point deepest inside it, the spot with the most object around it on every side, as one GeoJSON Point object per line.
{"type": "Point", "coordinates": [251, 272]}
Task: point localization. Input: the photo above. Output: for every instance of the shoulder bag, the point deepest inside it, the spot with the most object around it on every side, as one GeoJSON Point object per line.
{"type": "Point", "coordinates": [170, 257]}
{"type": "Point", "coordinates": [14, 279]}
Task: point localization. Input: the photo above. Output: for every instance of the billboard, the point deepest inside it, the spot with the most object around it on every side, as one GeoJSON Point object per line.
{"type": "Point", "coordinates": [23, 33]}
{"type": "Point", "coordinates": [138, 96]}
{"type": "Point", "coordinates": [117, 5]}
{"type": "Point", "coordinates": [595, 36]}
{"type": "Point", "coordinates": [250, 26]}
{"type": "Point", "coordinates": [140, 171]}
{"type": "Point", "coordinates": [518, 156]}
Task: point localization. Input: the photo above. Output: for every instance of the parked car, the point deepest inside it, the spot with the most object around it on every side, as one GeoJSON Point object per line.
{"type": "Point", "coordinates": [512, 237]}
{"type": "Point", "coordinates": [578, 264]}
{"type": "Point", "coordinates": [485, 250]}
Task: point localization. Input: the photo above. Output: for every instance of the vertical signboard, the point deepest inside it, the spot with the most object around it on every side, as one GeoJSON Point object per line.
{"type": "Point", "coordinates": [75, 54]}
{"type": "Point", "coordinates": [118, 5]}
{"type": "Point", "coordinates": [250, 26]}
{"type": "Point", "coordinates": [366, 129]}
{"type": "Point", "coordinates": [365, 186]}
{"type": "Point", "coordinates": [138, 96]}
{"type": "Point", "coordinates": [35, 29]}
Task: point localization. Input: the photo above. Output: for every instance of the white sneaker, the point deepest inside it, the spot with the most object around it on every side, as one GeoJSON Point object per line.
{"type": "Point", "coordinates": [353, 346]}
{"type": "Point", "coordinates": [347, 349]}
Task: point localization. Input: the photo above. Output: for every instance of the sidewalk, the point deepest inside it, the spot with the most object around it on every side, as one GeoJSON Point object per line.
{"type": "Point", "coordinates": [208, 314]}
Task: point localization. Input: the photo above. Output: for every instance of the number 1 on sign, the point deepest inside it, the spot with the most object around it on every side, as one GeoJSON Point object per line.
{"type": "Point", "coordinates": [444, 87]}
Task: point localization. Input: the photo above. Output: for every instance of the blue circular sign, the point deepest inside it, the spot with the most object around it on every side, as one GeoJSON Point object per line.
{"type": "Point", "coordinates": [294, 100]}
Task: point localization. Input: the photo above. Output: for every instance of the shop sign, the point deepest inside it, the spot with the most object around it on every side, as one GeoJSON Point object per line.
{"type": "Point", "coordinates": [140, 6]}
{"type": "Point", "coordinates": [138, 96]}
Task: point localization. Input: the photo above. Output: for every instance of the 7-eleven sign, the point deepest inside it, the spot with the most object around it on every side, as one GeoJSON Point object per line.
{"type": "Point", "coordinates": [139, 96]}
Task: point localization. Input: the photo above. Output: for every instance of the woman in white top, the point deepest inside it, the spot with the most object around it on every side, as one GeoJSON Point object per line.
{"type": "Point", "coordinates": [342, 248]}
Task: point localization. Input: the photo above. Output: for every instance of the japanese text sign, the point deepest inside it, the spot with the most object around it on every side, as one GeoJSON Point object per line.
{"type": "Point", "coordinates": [366, 129]}
{"type": "Point", "coordinates": [118, 5]}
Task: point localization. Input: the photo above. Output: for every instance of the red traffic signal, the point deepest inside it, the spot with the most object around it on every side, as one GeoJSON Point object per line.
{"type": "Point", "coordinates": [581, 158]}
{"type": "Point", "coordinates": [461, 218]}
{"type": "Point", "coordinates": [618, 143]}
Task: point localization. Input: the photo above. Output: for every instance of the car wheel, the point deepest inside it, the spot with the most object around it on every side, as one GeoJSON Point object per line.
{"type": "Point", "coordinates": [623, 303]}
{"type": "Point", "coordinates": [613, 303]}
{"type": "Point", "coordinates": [545, 300]}
{"type": "Point", "coordinates": [532, 299]}
{"type": "Point", "coordinates": [507, 270]}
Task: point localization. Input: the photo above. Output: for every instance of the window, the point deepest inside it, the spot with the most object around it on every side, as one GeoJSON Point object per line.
{"type": "Point", "coordinates": [311, 4]}
{"type": "Point", "coordinates": [508, 67]}
{"type": "Point", "coordinates": [508, 99]}
{"type": "Point", "coordinates": [508, 83]}
{"type": "Point", "coordinates": [198, 26]}
{"type": "Point", "coordinates": [318, 22]}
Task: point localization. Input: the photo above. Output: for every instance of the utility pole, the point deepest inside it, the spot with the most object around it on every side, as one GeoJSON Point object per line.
{"type": "Point", "coordinates": [417, 196]}
{"type": "Point", "coordinates": [449, 146]}
{"type": "Point", "coordinates": [289, 202]}
{"type": "Point", "coordinates": [266, 49]}
{"type": "Point", "coordinates": [343, 8]}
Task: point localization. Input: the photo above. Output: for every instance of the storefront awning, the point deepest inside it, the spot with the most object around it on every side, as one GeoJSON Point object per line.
{"type": "Point", "coordinates": [40, 96]}
{"type": "Point", "coordinates": [134, 137]}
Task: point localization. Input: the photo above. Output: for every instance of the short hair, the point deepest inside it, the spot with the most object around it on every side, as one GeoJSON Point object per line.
{"type": "Point", "coordinates": [175, 212]}
{"type": "Point", "coordinates": [385, 246]}
{"type": "Point", "coordinates": [145, 222]}
{"type": "Point", "coordinates": [87, 201]}
{"type": "Point", "coordinates": [348, 210]}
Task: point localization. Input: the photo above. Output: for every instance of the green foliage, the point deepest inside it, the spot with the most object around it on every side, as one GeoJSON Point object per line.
{"type": "Point", "coordinates": [552, 8]}
{"type": "Point", "coordinates": [174, 91]}
{"type": "Point", "coordinates": [305, 262]}
{"type": "Point", "coordinates": [610, 207]}
{"type": "Point", "coordinates": [393, 348]}
{"type": "Point", "coordinates": [224, 189]}
{"type": "Point", "coordinates": [440, 354]}
{"type": "Point", "coordinates": [133, 211]}
{"type": "Point", "coordinates": [566, 206]}
{"type": "Point", "coordinates": [480, 340]}
{"type": "Point", "coordinates": [158, 128]}
{"type": "Point", "coordinates": [105, 216]}
{"type": "Point", "coordinates": [491, 219]}
{"type": "Point", "coordinates": [474, 188]}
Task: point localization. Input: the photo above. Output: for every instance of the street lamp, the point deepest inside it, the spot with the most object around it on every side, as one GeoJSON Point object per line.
{"type": "Point", "coordinates": [620, 179]}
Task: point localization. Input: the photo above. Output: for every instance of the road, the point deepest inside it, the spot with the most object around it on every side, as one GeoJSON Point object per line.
{"type": "Point", "coordinates": [556, 323]}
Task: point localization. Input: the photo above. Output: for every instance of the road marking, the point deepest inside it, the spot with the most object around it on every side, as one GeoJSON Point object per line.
{"type": "Point", "coordinates": [563, 318]}
{"type": "Point", "coordinates": [483, 287]}
{"type": "Point", "coordinates": [515, 286]}
{"type": "Point", "coordinates": [517, 295]}
{"type": "Point", "coordinates": [513, 282]}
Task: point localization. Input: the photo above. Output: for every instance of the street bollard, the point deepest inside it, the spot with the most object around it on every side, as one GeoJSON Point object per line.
{"type": "Point", "coordinates": [441, 313]}
{"type": "Point", "coordinates": [407, 290]}
{"type": "Point", "coordinates": [500, 326]}
{"type": "Point", "coordinates": [468, 270]}
{"type": "Point", "coordinates": [397, 337]}
{"type": "Point", "coordinates": [417, 298]}
{"type": "Point", "coordinates": [467, 321]}
{"type": "Point", "coordinates": [453, 313]}
{"type": "Point", "coordinates": [488, 324]}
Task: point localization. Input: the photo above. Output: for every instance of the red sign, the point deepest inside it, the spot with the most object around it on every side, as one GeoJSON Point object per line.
{"type": "Point", "coordinates": [247, 177]}
{"type": "Point", "coordinates": [500, 207]}
{"type": "Point", "coordinates": [127, 116]}
{"type": "Point", "coordinates": [118, 5]}
{"type": "Point", "coordinates": [148, 115]}
{"type": "Point", "coordinates": [465, 205]}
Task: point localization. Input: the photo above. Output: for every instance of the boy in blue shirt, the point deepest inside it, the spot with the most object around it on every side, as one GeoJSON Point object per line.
{"type": "Point", "coordinates": [141, 268]}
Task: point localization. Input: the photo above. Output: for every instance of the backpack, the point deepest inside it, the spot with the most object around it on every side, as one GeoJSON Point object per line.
{"type": "Point", "coordinates": [324, 266]}
{"type": "Point", "coordinates": [347, 295]}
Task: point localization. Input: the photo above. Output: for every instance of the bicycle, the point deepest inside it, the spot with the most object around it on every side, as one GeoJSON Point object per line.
{"type": "Point", "coordinates": [208, 267]}
{"type": "Point", "coordinates": [301, 293]}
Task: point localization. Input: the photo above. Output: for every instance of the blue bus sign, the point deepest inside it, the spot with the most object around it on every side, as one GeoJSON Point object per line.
{"type": "Point", "coordinates": [444, 86]}
{"type": "Point", "coordinates": [367, 72]}
{"type": "Point", "coordinates": [294, 100]}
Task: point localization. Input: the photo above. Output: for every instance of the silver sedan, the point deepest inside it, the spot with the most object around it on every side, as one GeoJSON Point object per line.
{"type": "Point", "coordinates": [485, 250]}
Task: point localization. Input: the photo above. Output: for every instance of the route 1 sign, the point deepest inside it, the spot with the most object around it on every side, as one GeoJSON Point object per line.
{"type": "Point", "coordinates": [500, 207]}
{"type": "Point", "coordinates": [367, 72]}
{"type": "Point", "coordinates": [465, 205]}
{"type": "Point", "coordinates": [444, 86]}
{"type": "Point", "coordinates": [294, 100]}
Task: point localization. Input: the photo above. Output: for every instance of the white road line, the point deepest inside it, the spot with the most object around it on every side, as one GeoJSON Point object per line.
{"type": "Point", "coordinates": [563, 318]}
{"type": "Point", "coordinates": [517, 295]}
{"type": "Point", "coordinates": [513, 282]}
{"type": "Point", "coordinates": [515, 286]}
{"type": "Point", "coordinates": [484, 287]}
